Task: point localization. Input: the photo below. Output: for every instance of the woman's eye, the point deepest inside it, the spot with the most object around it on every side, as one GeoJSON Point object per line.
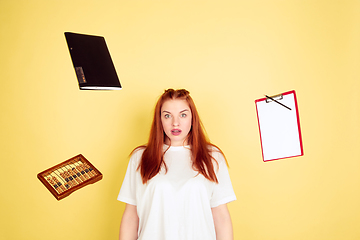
{"type": "Point", "coordinates": [183, 115]}
{"type": "Point", "coordinates": [167, 115]}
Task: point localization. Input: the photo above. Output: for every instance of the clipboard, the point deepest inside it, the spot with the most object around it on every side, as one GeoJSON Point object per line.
{"type": "Point", "coordinates": [279, 126]}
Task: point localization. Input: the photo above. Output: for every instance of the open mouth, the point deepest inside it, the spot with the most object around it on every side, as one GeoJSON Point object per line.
{"type": "Point", "coordinates": [176, 132]}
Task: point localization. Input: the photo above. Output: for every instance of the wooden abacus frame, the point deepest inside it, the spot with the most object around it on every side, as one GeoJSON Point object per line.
{"type": "Point", "coordinates": [71, 175]}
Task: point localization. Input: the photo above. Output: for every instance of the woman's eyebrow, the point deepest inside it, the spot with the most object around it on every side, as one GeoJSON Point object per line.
{"type": "Point", "coordinates": [165, 111]}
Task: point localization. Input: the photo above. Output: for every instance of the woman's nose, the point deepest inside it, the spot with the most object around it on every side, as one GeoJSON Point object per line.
{"type": "Point", "coordinates": [175, 122]}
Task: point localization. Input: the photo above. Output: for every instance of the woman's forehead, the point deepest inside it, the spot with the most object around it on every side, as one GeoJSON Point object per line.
{"type": "Point", "coordinates": [175, 105]}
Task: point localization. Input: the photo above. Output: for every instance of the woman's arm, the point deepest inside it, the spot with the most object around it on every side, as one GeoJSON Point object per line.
{"type": "Point", "coordinates": [223, 224]}
{"type": "Point", "coordinates": [129, 223]}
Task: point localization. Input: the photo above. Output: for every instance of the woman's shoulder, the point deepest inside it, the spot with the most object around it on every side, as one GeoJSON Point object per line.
{"type": "Point", "coordinates": [216, 152]}
{"type": "Point", "coordinates": [136, 154]}
{"type": "Point", "coordinates": [214, 149]}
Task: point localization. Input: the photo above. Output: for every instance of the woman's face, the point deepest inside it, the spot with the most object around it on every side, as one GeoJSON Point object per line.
{"type": "Point", "coordinates": [176, 121]}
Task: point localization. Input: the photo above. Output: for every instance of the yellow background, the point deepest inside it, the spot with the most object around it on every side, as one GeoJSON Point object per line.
{"type": "Point", "coordinates": [227, 54]}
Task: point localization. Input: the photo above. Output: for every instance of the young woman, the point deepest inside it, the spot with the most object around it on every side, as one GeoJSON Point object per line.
{"type": "Point", "coordinates": [177, 186]}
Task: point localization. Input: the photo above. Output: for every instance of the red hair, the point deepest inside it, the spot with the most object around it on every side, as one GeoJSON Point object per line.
{"type": "Point", "coordinates": [152, 159]}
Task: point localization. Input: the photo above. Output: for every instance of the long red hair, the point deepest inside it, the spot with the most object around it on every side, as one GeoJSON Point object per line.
{"type": "Point", "coordinates": [152, 159]}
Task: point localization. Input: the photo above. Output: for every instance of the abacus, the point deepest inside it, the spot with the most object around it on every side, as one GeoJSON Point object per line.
{"type": "Point", "coordinates": [69, 176]}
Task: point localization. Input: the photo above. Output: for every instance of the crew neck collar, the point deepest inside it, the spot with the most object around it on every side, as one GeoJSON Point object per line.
{"type": "Point", "coordinates": [176, 148]}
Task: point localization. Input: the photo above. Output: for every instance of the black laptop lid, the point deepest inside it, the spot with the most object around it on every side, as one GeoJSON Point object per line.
{"type": "Point", "coordinates": [92, 62]}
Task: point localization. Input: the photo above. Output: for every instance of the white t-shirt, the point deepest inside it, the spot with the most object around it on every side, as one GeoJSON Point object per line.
{"type": "Point", "coordinates": [176, 205]}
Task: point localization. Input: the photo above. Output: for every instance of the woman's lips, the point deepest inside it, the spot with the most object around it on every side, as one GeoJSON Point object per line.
{"type": "Point", "coordinates": [176, 132]}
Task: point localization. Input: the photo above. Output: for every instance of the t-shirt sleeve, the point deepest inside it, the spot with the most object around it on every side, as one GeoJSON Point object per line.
{"type": "Point", "coordinates": [127, 192]}
{"type": "Point", "coordinates": [223, 191]}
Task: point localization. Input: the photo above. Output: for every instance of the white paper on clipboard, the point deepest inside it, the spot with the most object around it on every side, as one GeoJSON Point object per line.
{"type": "Point", "coordinates": [279, 127]}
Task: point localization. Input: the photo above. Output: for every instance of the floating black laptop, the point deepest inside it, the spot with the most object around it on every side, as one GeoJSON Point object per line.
{"type": "Point", "coordinates": [92, 62]}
